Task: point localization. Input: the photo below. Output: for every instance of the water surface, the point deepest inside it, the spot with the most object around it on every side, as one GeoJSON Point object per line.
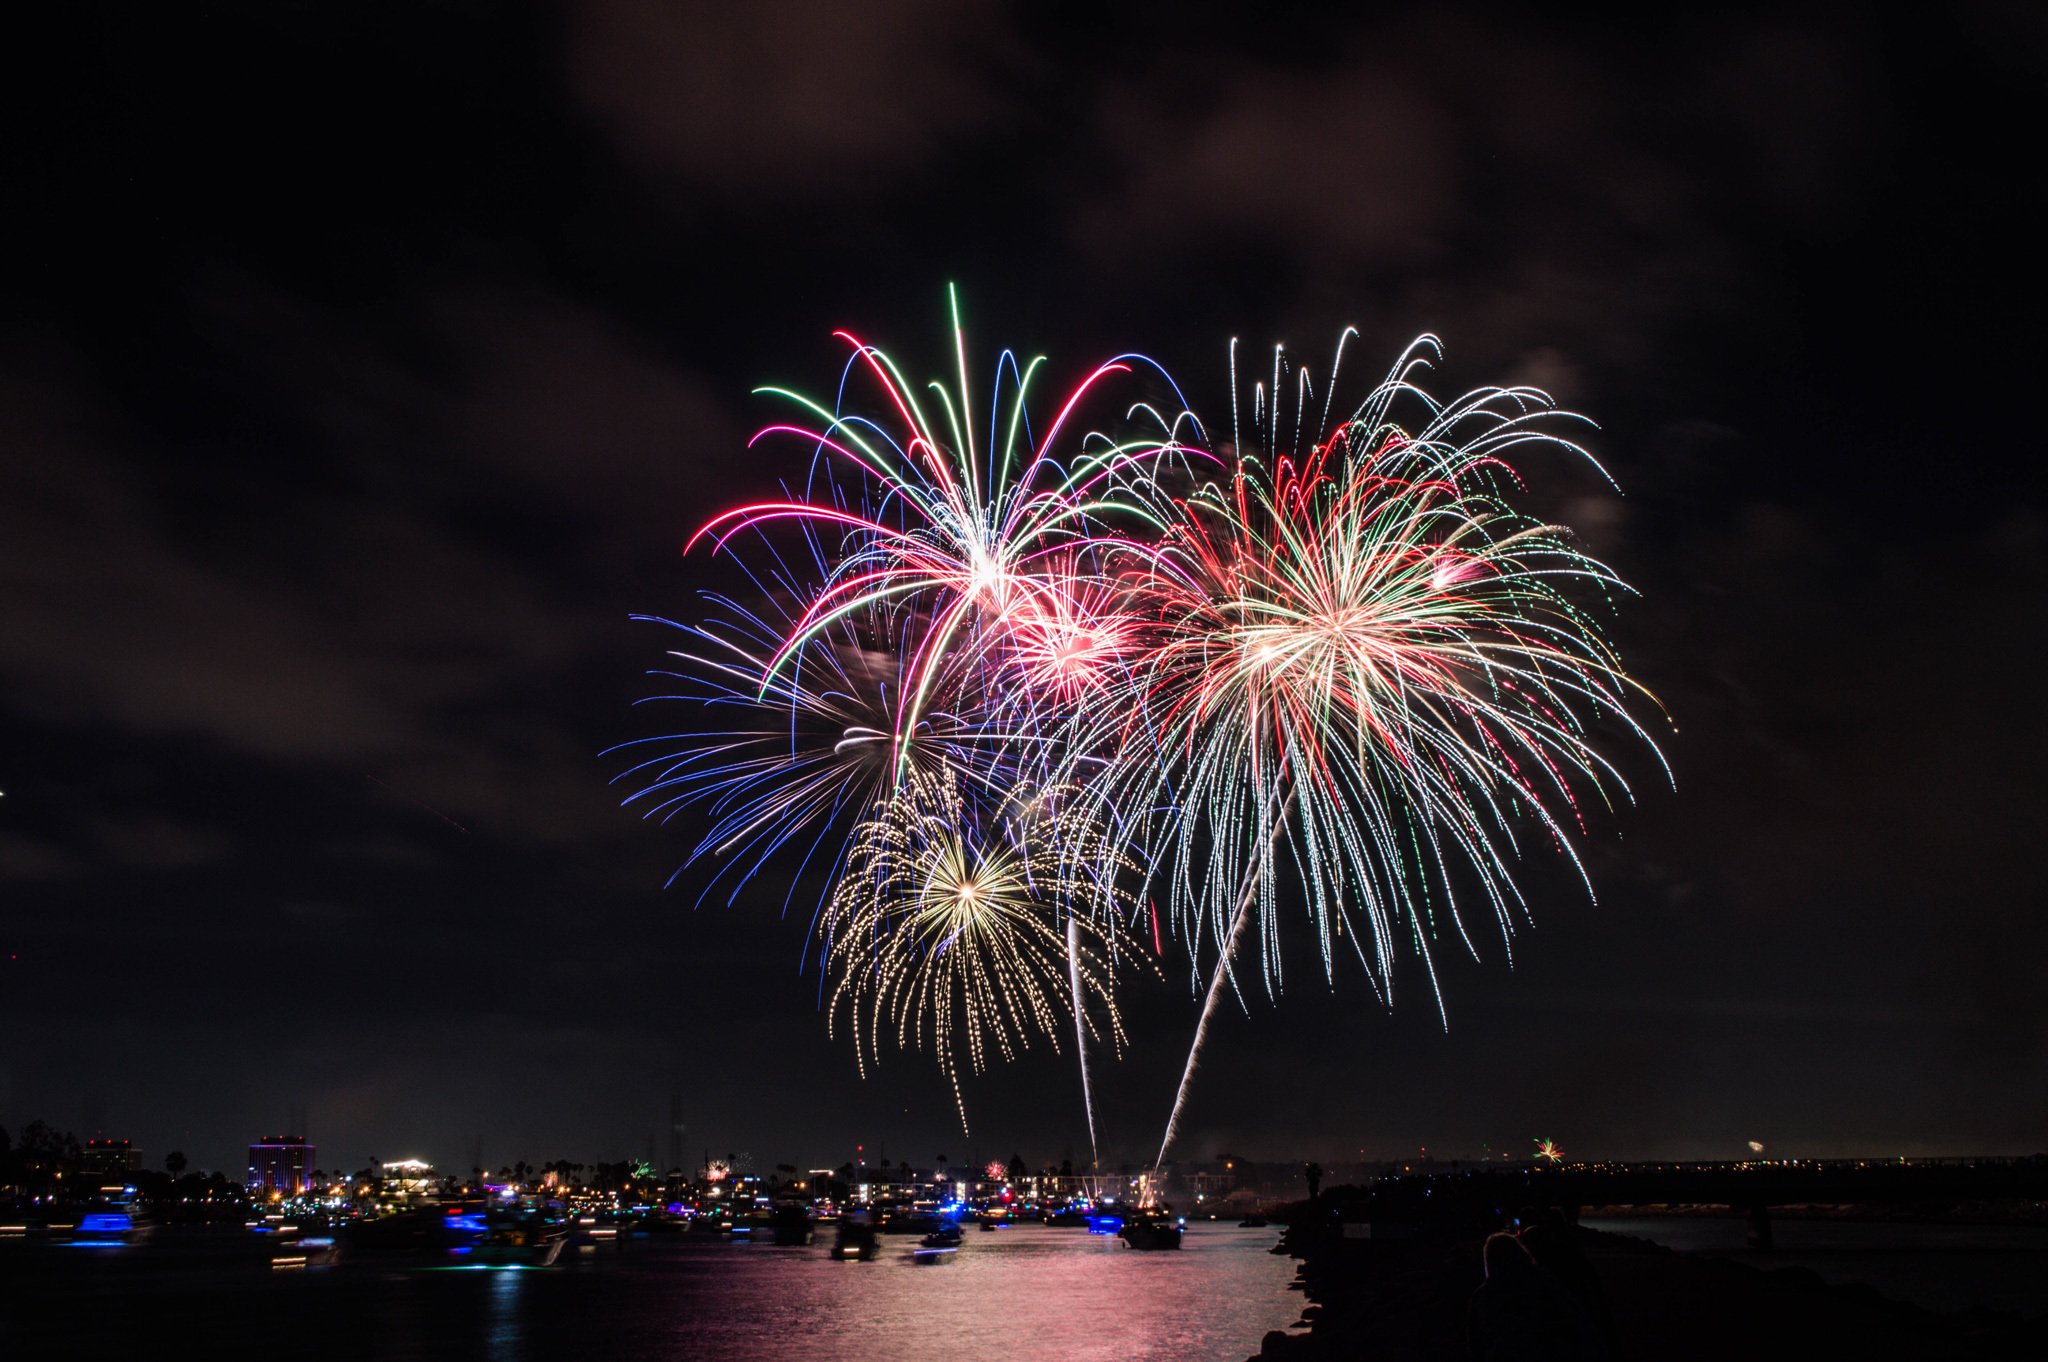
{"type": "Point", "coordinates": [1025, 1291]}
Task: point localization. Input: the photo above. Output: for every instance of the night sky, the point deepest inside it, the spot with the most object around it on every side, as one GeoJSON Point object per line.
{"type": "Point", "coordinates": [365, 366]}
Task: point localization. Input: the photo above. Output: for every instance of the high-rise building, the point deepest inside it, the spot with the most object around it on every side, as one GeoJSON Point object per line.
{"type": "Point", "coordinates": [109, 1156]}
{"type": "Point", "coordinates": [281, 1163]}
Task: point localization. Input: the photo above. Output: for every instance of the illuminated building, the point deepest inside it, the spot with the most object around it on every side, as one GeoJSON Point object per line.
{"type": "Point", "coordinates": [408, 1177]}
{"type": "Point", "coordinates": [116, 1157]}
{"type": "Point", "coordinates": [281, 1164]}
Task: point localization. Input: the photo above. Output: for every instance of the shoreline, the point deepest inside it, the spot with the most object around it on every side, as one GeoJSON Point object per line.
{"type": "Point", "coordinates": [1406, 1298]}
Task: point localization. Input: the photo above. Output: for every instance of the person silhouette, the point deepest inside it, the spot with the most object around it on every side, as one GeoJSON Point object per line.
{"type": "Point", "coordinates": [1520, 1313]}
{"type": "Point", "coordinates": [1554, 1246]}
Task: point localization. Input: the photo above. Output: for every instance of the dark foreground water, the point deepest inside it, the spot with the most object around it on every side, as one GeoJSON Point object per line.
{"type": "Point", "coordinates": [1942, 1267]}
{"type": "Point", "coordinates": [1025, 1292]}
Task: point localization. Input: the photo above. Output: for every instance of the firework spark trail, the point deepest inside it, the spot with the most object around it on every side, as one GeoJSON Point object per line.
{"type": "Point", "coordinates": [1240, 918]}
{"type": "Point", "coordinates": [1081, 1032]}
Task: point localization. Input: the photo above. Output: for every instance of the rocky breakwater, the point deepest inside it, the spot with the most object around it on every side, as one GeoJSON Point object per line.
{"type": "Point", "coordinates": [1410, 1288]}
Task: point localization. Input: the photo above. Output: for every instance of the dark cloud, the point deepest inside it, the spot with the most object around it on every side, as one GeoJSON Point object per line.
{"type": "Point", "coordinates": [1351, 165]}
{"type": "Point", "coordinates": [26, 858]}
{"type": "Point", "coordinates": [795, 99]}
{"type": "Point", "coordinates": [105, 616]}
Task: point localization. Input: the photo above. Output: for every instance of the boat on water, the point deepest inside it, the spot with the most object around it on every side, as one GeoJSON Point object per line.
{"type": "Point", "coordinates": [938, 1246]}
{"type": "Point", "coordinates": [424, 1231]}
{"type": "Point", "coordinates": [855, 1239]}
{"type": "Point", "coordinates": [790, 1225]}
{"type": "Point", "coordinates": [308, 1250]}
{"type": "Point", "coordinates": [519, 1241]}
{"type": "Point", "coordinates": [117, 1226]}
{"type": "Point", "coordinates": [1152, 1232]}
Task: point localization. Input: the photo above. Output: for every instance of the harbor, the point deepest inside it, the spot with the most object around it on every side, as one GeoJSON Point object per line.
{"type": "Point", "coordinates": [1027, 1289]}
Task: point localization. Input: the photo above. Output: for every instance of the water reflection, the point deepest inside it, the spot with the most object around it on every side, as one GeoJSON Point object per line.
{"type": "Point", "coordinates": [1023, 1292]}
{"type": "Point", "coordinates": [504, 1324]}
{"type": "Point", "coordinates": [1026, 1291]}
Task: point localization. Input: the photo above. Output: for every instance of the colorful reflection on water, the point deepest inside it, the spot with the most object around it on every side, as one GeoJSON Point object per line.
{"type": "Point", "coordinates": [1025, 1291]}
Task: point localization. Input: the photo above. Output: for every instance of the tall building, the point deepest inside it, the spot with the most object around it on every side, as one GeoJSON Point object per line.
{"type": "Point", "coordinates": [281, 1163]}
{"type": "Point", "coordinates": [110, 1157]}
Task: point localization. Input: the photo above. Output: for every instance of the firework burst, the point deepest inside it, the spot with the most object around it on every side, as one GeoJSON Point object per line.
{"type": "Point", "coordinates": [1345, 672]}
{"type": "Point", "coordinates": [991, 550]}
{"type": "Point", "coordinates": [964, 939]}
{"type": "Point", "coordinates": [1366, 665]}
{"type": "Point", "coordinates": [959, 609]}
{"type": "Point", "coordinates": [815, 747]}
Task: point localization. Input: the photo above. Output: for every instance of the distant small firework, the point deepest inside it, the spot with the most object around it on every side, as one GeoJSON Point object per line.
{"type": "Point", "coordinates": [995, 1172]}
{"type": "Point", "coordinates": [1547, 1149]}
{"type": "Point", "coordinates": [1756, 1146]}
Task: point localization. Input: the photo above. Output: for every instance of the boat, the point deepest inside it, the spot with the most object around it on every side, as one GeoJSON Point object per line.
{"type": "Point", "coordinates": [589, 1232]}
{"type": "Point", "coordinates": [936, 1247]}
{"type": "Point", "coordinates": [1254, 1221]}
{"type": "Point", "coordinates": [427, 1230]}
{"type": "Point", "coordinates": [1149, 1232]}
{"type": "Point", "coordinates": [112, 1226]}
{"type": "Point", "coordinates": [519, 1241]}
{"type": "Point", "coordinates": [855, 1239]}
{"type": "Point", "coordinates": [791, 1225]}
